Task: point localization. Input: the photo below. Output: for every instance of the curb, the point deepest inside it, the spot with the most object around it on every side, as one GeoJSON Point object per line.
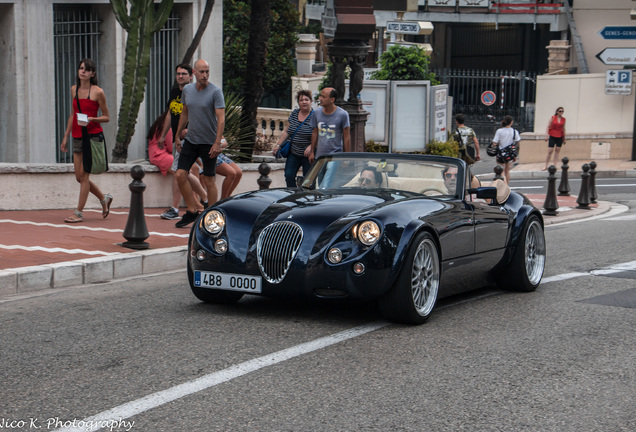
{"type": "Point", "coordinates": [90, 270]}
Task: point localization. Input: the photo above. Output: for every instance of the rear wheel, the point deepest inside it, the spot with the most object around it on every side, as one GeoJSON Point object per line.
{"type": "Point", "coordinates": [211, 295]}
{"type": "Point", "coordinates": [528, 261]}
{"type": "Point", "coordinates": [412, 298]}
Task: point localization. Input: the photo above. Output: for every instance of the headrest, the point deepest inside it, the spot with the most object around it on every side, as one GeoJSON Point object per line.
{"type": "Point", "coordinates": [503, 190]}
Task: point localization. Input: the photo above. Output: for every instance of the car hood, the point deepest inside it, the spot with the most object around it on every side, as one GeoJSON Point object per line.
{"type": "Point", "coordinates": [319, 209]}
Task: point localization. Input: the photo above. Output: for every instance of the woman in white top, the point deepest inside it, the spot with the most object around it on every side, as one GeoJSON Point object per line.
{"type": "Point", "coordinates": [504, 139]}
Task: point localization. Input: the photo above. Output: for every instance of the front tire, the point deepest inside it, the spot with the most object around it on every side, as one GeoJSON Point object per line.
{"type": "Point", "coordinates": [413, 297]}
{"type": "Point", "coordinates": [528, 261]}
{"type": "Point", "coordinates": [211, 295]}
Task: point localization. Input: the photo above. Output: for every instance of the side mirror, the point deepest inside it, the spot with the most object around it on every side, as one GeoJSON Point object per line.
{"type": "Point", "coordinates": [485, 192]}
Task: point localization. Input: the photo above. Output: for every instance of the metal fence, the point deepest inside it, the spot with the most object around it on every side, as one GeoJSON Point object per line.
{"type": "Point", "coordinates": [485, 97]}
{"type": "Point", "coordinates": [161, 73]}
{"type": "Point", "coordinates": [75, 35]}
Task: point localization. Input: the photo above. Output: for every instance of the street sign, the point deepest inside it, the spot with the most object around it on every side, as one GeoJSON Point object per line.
{"type": "Point", "coordinates": [618, 82]}
{"type": "Point", "coordinates": [617, 56]}
{"type": "Point", "coordinates": [618, 32]}
{"type": "Point", "coordinates": [409, 27]}
{"type": "Point", "coordinates": [488, 98]}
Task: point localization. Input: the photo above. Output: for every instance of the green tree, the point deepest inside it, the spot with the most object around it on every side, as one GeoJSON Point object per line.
{"type": "Point", "coordinates": [283, 28]}
{"type": "Point", "coordinates": [402, 63]}
{"type": "Point", "coordinates": [141, 21]}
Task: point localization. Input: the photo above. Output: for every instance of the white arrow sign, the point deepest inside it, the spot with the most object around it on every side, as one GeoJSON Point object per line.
{"type": "Point", "coordinates": [618, 56]}
{"type": "Point", "coordinates": [409, 27]}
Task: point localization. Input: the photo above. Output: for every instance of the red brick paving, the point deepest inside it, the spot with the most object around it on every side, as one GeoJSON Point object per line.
{"type": "Point", "coordinates": [94, 237]}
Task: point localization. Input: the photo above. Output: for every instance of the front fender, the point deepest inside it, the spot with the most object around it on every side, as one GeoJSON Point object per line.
{"type": "Point", "coordinates": [406, 240]}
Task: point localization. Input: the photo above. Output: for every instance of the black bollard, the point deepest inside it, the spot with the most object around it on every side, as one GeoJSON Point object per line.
{"type": "Point", "coordinates": [593, 194]}
{"type": "Point", "coordinates": [498, 171]}
{"type": "Point", "coordinates": [564, 186]}
{"type": "Point", "coordinates": [136, 231]}
{"type": "Point", "coordinates": [583, 200]}
{"type": "Point", "coordinates": [551, 204]}
{"type": "Point", "coordinates": [264, 181]}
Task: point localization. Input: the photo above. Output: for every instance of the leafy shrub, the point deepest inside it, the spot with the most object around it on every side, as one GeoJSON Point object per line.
{"type": "Point", "coordinates": [372, 147]}
{"type": "Point", "coordinates": [402, 63]}
{"type": "Point", "coordinates": [442, 148]}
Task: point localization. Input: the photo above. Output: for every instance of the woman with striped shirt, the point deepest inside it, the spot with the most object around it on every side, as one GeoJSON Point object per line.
{"type": "Point", "coordinates": [301, 133]}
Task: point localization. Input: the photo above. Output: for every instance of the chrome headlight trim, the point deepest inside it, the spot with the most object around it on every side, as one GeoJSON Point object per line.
{"type": "Point", "coordinates": [368, 232]}
{"type": "Point", "coordinates": [214, 222]}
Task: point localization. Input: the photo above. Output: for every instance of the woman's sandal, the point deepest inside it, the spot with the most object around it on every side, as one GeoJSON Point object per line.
{"type": "Point", "coordinates": [106, 202]}
{"type": "Point", "coordinates": [78, 216]}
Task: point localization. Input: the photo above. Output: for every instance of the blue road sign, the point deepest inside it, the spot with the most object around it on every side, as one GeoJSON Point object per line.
{"type": "Point", "coordinates": [618, 32]}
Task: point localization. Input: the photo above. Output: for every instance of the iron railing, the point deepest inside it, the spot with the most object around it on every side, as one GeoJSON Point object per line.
{"type": "Point", "coordinates": [485, 97]}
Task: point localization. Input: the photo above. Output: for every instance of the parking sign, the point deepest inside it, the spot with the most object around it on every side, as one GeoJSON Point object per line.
{"type": "Point", "coordinates": [618, 82]}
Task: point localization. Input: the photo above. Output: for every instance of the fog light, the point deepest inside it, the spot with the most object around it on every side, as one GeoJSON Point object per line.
{"type": "Point", "coordinates": [200, 254]}
{"type": "Point", "coordinates": [334, 255]}
{"type": "Point", "coordinates": [358, 268]}
{"type": "Point", "coordinates": [220, 246]}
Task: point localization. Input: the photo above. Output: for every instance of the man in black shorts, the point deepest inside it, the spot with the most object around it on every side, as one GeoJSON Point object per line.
{"type": "Point", "coordinates": [204, 114]}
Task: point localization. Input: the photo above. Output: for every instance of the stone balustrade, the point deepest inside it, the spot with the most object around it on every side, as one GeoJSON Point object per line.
{"type": "Point", "coordinates": [272, 122]}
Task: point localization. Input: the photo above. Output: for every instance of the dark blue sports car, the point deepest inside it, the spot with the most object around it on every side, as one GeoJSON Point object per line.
{"type": "Point", "coordinates": [402, 229]}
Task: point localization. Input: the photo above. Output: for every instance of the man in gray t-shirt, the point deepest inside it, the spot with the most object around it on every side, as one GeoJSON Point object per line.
{"type": "Point", "coordinates": [204, 113]}
{"type": "Point", "coordinates": [331, 127]}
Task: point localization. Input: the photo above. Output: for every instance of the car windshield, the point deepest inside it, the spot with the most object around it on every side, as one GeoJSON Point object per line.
{"type": "Point", "coordinates": [429, 175]}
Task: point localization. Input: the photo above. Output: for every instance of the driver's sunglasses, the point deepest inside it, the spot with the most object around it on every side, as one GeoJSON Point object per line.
{"type": "Point", "coordinates": [365, 181]}
{"type": "Point", "coordinates": [450, 175]}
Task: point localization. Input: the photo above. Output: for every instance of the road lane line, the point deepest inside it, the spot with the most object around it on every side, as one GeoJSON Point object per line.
{"type": "Point", "coordinates": [163, 397]}
{"type": "Point", "coordinates": [154, 400]}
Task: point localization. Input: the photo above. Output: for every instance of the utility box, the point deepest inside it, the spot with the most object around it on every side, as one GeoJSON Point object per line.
{"type": "Point", "coordinates": [600, 150]}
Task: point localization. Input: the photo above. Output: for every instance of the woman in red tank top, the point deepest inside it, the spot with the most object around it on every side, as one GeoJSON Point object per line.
{"type": "Point", "coordinates": [91, 100]}
{"type": "Point", "coordinates": [555, 135]}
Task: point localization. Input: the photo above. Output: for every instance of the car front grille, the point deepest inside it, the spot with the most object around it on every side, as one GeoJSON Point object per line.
{"type": "Point", "coordinates": [277, 246]}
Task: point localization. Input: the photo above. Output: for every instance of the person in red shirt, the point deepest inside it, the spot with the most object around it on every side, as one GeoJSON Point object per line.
{"type": "Point", "coordinates": [91, 99]}
{"type": "Point", "coordinates": [555, 135]}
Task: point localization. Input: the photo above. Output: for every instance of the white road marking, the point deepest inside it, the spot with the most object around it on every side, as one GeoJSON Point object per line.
{"type": "Point", "coordinates": [526, 187]}
{"type": "Point", "coordinates": [83, 227]}
{"type": "Point", "coordinates": [615, 209]}
{"type": "Point", "coordinates": [154, 400]}
{"type": "Point", "coordinates": [56, 250]}
{"type": "Point", "coordinates": [159, 398]}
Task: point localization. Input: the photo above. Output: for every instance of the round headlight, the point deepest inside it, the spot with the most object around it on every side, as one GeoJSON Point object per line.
{"type": "Point", "coordinates": [334, 255]}
{"type": "Point", "coordinates": [368, 233]}
{"type": "Point", "coordinates": [220, 246]}
{"type": "Point", "coordinates": [214, 222]}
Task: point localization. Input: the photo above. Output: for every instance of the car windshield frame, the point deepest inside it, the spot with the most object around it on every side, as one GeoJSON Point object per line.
{"type": "Point", "coordinates": [424, 174]}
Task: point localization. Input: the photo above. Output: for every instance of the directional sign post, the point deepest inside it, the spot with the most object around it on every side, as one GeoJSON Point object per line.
{"type": "Point", "coordinates": [409, 27]}
{"type": "Point", "coordinates": [618, 32]}
{"type": "Point", "coordinates": [618, 56]}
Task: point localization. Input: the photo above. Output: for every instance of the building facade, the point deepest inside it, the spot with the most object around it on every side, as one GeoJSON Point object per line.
{"type": "Point", "coordinates": [41, 42]}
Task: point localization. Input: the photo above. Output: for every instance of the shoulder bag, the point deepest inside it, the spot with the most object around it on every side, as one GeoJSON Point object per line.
{"type": "Point", "coordinates": [285, 148]}
{"type": "Point", "coordinates": [93, 148]}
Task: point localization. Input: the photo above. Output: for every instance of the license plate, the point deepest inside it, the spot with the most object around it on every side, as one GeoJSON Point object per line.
{"type": "Point", "coordinates": [227, 281]}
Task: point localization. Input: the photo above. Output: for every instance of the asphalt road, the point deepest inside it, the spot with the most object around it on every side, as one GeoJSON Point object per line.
{"type": "Point", "coordinates": [146, 355]}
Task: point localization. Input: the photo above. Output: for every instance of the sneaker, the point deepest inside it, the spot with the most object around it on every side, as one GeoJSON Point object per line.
{"type": "Point", "coordinates": [187, 219]}
{"type": "Point", "coordinates": [204, 204]}
{"type": "Point", "coordinates": [171, 214]}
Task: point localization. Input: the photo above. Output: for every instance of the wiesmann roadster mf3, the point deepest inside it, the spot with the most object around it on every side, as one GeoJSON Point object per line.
{"type": "Point", "coordinates": [404, 230]}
